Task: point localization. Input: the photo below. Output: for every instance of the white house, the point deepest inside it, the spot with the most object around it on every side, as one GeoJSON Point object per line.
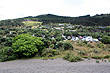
{"type": "Point", "coordinates": [77, 38]}
{"type": "Point", "coordinates": [96, 40]}
{"type": "Point", "coordinates": [88, 38]}
{"type": "Point", "coordinates": [61, 24]}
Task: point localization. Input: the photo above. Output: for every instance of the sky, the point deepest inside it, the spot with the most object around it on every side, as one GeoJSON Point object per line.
{"type": "Point", "coordinates": [11, 9]}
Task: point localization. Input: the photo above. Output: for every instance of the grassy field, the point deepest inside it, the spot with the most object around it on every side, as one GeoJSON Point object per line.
{"type": "Point", "coordinates": [31, 23]}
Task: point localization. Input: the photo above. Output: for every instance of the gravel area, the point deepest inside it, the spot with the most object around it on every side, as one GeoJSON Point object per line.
{"type": "Point", "coordinates": [54, 66]}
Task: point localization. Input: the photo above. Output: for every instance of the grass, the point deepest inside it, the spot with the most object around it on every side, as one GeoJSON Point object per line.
{"type": "Point", "coordinates": [109, 59]}
{"type": "Point", "coordinates": [32, 23]}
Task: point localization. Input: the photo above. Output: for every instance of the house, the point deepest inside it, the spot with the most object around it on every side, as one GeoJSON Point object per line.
{"type": "Point", "coordinates": [96, 40]}
{"type": "Point", "coordinates": [88, 38]}
{"type": "Point", "coordinates": [76, 38]}
{"type": "Point", "coordinates": [68, 37]}
{"type": "Point", "coordinates": [73, 38]}
{"type": "Point", "coordinates": [58, 28]}
{"type": "Point", "coordinates": [33, 35]}
{"type": "Point", "coordinates": [61, 24]}
{"type": "Point", "coordinates": [53, 38]}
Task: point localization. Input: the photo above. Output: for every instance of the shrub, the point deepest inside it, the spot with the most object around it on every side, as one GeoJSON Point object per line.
{"type": "Point", "coordinates": [49, 52]}
{"type": "Point", "coordinates": [102, 59]}
{"type": "Point", "coordinates": [72, 58]}
{"type": "Point", "coordinates": [96, 57]}
{"type": "Point", "coordinates": [109, 59]}
{"type": "Point", "coordinates": [89, 58]}
{"type": "Point", "coordinates": [107, 56]}
{"type": "Point", "coordinates": [82, 52]}
{"type": "Point", "coordinates": [95, 51]}
{"type": "Point", "coordinates": [97, 61]}
{"type": "Point", "coordinates": [59, 38]}
{"type": "Point", "coordinates": [85, 42]}
{"type": "Point", "coordinates": [27, 46]}
{"type": "Point", "coordinates": [51, 46]}
{"type": "Point", "coordinates": [105, 40]}
{"type": "Point", "coordinates": [6, 54]}
{"type": "Point", "coordinates": [67, 56]}
{"type": "Point", "coordinates": [67, 46]}
{"type": "Point", "coordinates": [60, 45]}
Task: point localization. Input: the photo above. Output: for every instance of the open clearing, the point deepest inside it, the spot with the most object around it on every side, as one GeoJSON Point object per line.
{"type": "Point", "coordinates": [54, 66]}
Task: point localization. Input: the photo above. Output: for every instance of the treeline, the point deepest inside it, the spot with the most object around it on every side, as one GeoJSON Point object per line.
{"type": "Point", "coordinates": [87, 20]}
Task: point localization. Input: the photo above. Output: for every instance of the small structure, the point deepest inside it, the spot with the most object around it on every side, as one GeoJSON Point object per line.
{"type": "Point", "coordinates": [73, 38]}
{"type": "Point", "coordinates": [61, 24]}
{"type": "Point", "coordinates": [96, 40]}
{"type": "Point", "coordinates": [88, 38]}
{"type": "Point", "coordinates": [68, 37]}
{"type": "Point", "coordinates": [53, 38]}
{"type": "Point", "coordinates": [99, 39]}
{"type": "Point", "coordinates": [76, 38]}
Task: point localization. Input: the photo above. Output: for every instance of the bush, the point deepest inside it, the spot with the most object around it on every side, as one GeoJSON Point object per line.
{"type": "Point", "coordinates": [72, 58]}
{"type": "Point", "coordinates": [85, 42]}
{"type": "Point", "coordinates": [107, 56]}
{"type": "Point", "coordinates": [82, 52]}
{"type": "Point", "coordinates": [105, 40]}
{"type": "Point", "coordinates": [96, 57]}
{"type": "Point", "coordinates": [49, 52]}
{"type": "Point", "coordinates": [7, 54]}
{"type": "Point", "coordinates": [27, 46]}
{"type": "Point", "coordinates": [67, 46]}
{"type": "Point", "coordinates": [51, 46]}
{"type": "Point", "coordinates": [60, 45]}
{"type": "Point", "coordinates": [109, 59]}
{"type": "Point", "coordinates": [97, 61]}
{"type": "Point", "coordinates": [59, 38]}
{"type": "Point", "coordinates": [95, 51]}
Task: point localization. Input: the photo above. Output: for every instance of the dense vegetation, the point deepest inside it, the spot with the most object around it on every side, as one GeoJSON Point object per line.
{"type": "Point", "coordinates": [30, 37]}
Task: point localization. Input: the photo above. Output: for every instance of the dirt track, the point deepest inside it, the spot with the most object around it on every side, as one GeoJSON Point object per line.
{"type": "Point", "coordinates": [54, 66]}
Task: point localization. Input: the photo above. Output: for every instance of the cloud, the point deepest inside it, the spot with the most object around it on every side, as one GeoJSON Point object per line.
{"type": "Point", "coordinates": [95, 6]}
{"type": "Point", "coordinates": [10, 9]}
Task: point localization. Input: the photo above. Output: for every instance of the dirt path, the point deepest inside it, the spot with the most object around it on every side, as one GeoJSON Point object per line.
{"type": "Point", "coordinates": [54, 66]}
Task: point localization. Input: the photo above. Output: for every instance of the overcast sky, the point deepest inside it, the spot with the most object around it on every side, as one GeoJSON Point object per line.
{"type": "Point", "coordinates": [10, 9]}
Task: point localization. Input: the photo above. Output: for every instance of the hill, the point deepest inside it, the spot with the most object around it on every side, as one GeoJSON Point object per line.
{"type": "Point", "coordinates": [87, 20]}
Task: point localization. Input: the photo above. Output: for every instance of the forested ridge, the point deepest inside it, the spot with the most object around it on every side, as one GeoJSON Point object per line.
{"type": "Point", "coordinates": [87, 20]}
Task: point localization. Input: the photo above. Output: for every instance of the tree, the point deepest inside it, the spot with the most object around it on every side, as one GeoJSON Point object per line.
{"type": "Point", "coordinates": [26, 45]}
{"type": "Point", "coordinates": [105, 40]}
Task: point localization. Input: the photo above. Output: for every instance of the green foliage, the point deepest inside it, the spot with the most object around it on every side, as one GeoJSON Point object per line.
{"type": "Point", "coordinates": [74, 33]}
{"type": "Point", "coordinates": [49, 52]}
{"type": "Point", "coordinates": [96, 57]}
{"type": "Point", "coordinates": [97, 61]}
{"type": "Point", "coordinates": [107, 56]}
{"type": "Point", "coordinates": [95, 51]}
{"type": "Point", "coordinates": [26, 45]}
{"type": "Point", "coordinates": [60, 45]}
{"type": "Point", "coordinates": [82, 52]}
{"type": "Point", "coordinates": [51, 46]}
{"type": "Point", "coordinates": [85, 42]}
{"type": "Point", "coordinates": [7, 54]}
{"type": "Point", "coordinates": [72, 58]}
{"type": "Point", "coordinates": [109, 59]}
{"type": "Point", "coordinates": [59, 38]}
{"type": "Point", "coordinates": [105, 40]}
{"type": "Point", "coordinates": [67, 46]}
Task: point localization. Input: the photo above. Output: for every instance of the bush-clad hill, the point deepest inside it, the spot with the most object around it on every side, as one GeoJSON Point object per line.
{"type": "Point", "coordinates": [87, 20]}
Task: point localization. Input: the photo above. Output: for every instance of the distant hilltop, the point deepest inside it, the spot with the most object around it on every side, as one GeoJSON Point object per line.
{"type": "Point", "coordinates": [87, 20]}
